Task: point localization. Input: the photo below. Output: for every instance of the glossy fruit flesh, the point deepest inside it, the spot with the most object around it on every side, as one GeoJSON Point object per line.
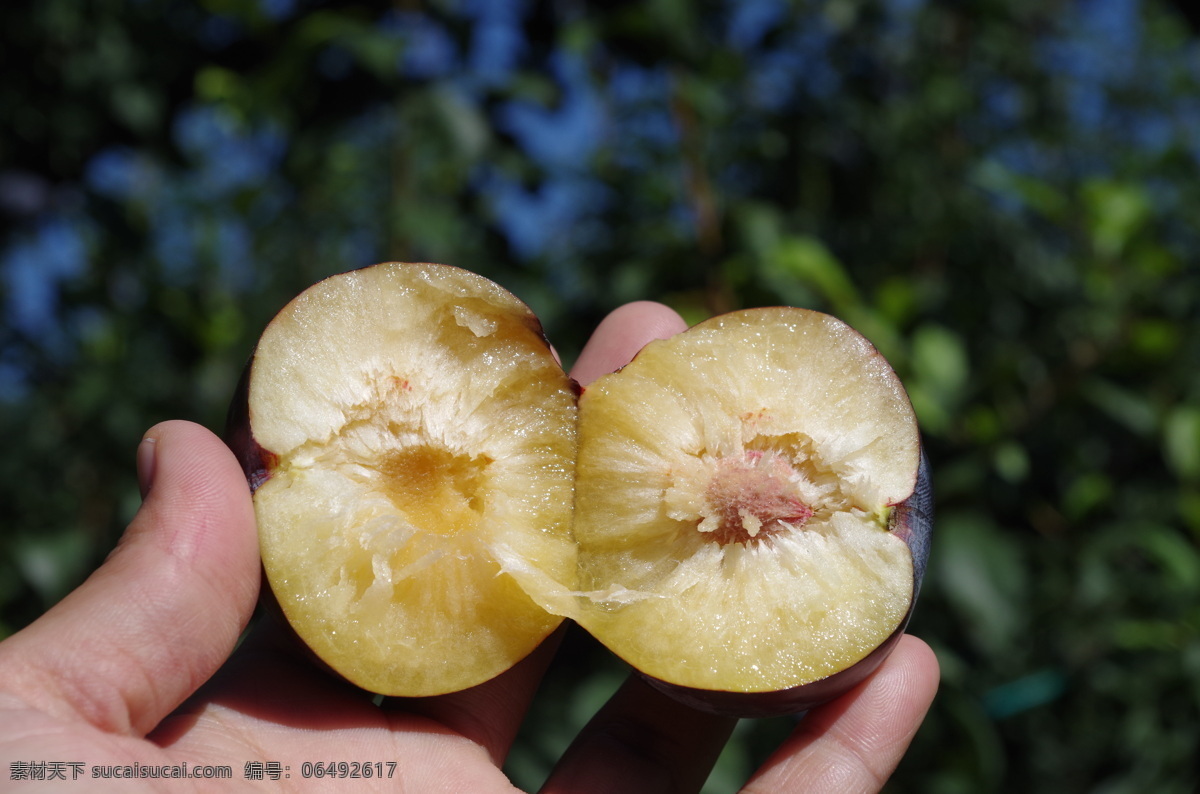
{"type": "Point", "coordinates": [911, 521]}
{"type": "Point", "coordinates": [410, 427]}
{"type": "Point", "coordinates": [735, 491]}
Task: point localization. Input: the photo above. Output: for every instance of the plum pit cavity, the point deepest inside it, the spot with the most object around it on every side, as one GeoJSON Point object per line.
{"type": "Point", "coordinates": [752, 496]}
{"type": "Point", "coordinates": [435, 489]}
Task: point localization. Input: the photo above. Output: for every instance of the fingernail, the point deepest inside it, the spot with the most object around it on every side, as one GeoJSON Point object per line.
{"type": "Point", "coordinates": [147, 460]}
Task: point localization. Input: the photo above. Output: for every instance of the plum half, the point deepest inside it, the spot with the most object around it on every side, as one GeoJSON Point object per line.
{"type": "Point", "coordinates": [404, 428]}
{"type": "Point", "coordinates": [752, 511]}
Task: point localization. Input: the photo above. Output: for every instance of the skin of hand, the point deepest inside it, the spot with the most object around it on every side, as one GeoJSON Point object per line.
{"type": "Point", "coordinates": [142, 664]}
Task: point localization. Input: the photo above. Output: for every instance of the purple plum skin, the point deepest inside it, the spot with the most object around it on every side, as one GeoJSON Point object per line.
{"type": "Point", "coordinates": [257, 463]}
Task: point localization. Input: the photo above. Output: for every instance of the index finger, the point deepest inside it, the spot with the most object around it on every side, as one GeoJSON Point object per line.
{"type": "Point", "coordinates": [854, 743]}
{"type": "Point", "coordinates": [166, 607]}
{"type": "Point", "coordinates": [621, 335]}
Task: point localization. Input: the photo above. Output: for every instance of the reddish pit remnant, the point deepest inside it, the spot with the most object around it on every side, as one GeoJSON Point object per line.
{"type": "Point", "coordinates": [752, 497]}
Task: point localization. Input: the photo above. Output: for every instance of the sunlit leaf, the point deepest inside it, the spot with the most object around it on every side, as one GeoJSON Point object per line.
{"type": "Point", "coordinates": [980, 568]}
{"type": "Point", "coordinates": [1129, 408]}
{"type": "Point", "coordinates": [1118, 211]}
{"type": "Point", "coordinates": [808, 261]}
{"type": "Point", "coordinates": [1181, 441]}
{"type": "Point", "coordinates": [939, 361]}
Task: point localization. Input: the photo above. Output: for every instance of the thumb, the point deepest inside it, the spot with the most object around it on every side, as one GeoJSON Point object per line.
{"type": "Point", "coordinates": [164, 610]}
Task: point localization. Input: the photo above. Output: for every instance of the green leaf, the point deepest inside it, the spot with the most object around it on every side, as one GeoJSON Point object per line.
{"type": "Point", "coordinates": [1117, 211]}
{"type": "Point", "coordinates": [808, 261]}
{"type": "Point", "coordinates": [1153, 635]}
{"type": "Point", "coordinates": [1086, 493]}
{"type": "Point", "coordinates": [1181, 441]}
{"type": "Point", "coordinates": [982, 572]}
{"type": "Point", "coordinates": [1011, 461]}
{"type": "Point", "coordinates": [217, 84]}
{"type": "Point", "coordinates": [1178, 559]}
{"type": "Point", "coordinates": [51, 562]}
{"type": "Point", "coordinates": [1036, 194]}
{"type": "Point", "coordinates": [940, 363]}
{"type": "Point", "coordinates": [940, 373]}
{"type": "Point", "coordinates": [897, 299]}
{"type": "Point", "coordinates": [1131, 409]}
{"type": "Point", "coordinates": [1155, 337]}
{"type": "Point", "coordinates": [463, 120]}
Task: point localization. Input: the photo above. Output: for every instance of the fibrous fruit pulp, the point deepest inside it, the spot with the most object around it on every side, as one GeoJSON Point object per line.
{"type": "Point", "coordinates": [743, 510]}
{"type": "Point", "coordinates": [403, 426]}
{"type": "Point", "coordinates": [742, 513]}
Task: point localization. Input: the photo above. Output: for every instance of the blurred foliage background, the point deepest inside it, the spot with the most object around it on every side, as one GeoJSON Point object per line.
{"type": "Point", "coordinates": [1002, 196]}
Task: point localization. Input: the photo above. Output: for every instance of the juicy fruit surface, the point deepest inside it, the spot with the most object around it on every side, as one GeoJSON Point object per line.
{"type": "Point", "coordinates": [732, 505]}
{"type": "Point", "coordinates": [420, 430]}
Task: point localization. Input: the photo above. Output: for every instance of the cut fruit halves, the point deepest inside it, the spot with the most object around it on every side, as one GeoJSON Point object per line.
{"type": "Point", "coordinates": [750, 527]}
{"type": "Point", "coordinates": [404, 427]}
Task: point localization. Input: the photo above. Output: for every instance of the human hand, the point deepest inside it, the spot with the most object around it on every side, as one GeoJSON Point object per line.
{"type": "Point", "coordinates": [138, 666]}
